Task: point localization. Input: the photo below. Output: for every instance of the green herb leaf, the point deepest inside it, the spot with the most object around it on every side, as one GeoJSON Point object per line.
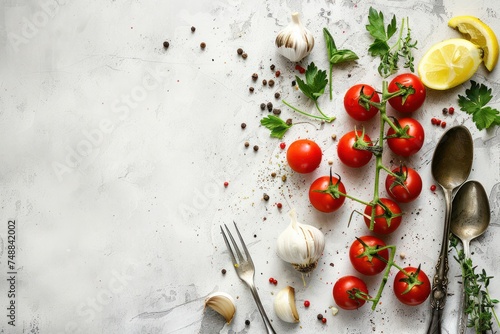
{"type": "Point", "coordinates": [389, 55]}
{"type": "Point", "coordinates": [474, 103]}
{"type": "Point", "coordinates": [315, 83]}
{"type": "Point", "coordinates": [277, 126]}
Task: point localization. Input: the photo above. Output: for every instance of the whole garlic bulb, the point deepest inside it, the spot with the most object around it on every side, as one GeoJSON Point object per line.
{"type": "Point", "coordinates": [295, 42]}
{"type": "Point", "coordinates": [301, 245]}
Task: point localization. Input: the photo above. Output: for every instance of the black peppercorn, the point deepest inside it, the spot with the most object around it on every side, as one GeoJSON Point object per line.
{"type": "Point", "coordinates": [255, 76]}
{"type": "Point", "coordinates": [247, 144]}
{"type": "Point", "coordinates": [293, 83]}
{"type": "Point", "coordinates": [262, 106]}
{"type": "Point", "coordinates": [193, 29]}
{"type": "Point", "coordinates": [243, 125]}
{"type": "Point", "coordinates": [269, 106]}
{"type": "Point", "coordinates": [271, 83]}
{"type": "Point", "coordinates": [277, 95]}
{"type": "Point", "coordinates": [239, 51]}
{"type": "Point", "coordinates": [256, 148]}
{"type": "Point", "coordinates": [166, 44]}
{"type": "Point", "coordinates": [289, 121]}
{"type": "Point", "coordinates": [266, 197]}
{"type": "Point", "coordinates": [251, 89]}
{"type": "Point", "coordinates": [264, 82]}
{"type": "Point", "coordinates": [276, 111]}
{"type": "Point", "coordinates": [203, 45]}
{"type": "Point", "coordinates": [273, 67]}
{"type": "Point", "coordinates": [247, 322]}
{"type": "Point", "coordinates": [320, 316]}
{"type": "Point", "coordinates": [244, 55]}
{"type": "Point", "coordinates": [223, 271]}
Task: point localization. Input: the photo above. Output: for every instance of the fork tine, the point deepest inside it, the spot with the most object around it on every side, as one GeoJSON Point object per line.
{"type": "Point", "coordinates": [236, 248]}
{"type": "Point", "coordinates": [249, 258]}
{"type": "Point", "coordinates": [228, 246]}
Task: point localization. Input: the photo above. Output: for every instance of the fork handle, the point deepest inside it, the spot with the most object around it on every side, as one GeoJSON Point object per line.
{"type": "Point", "coordinates": [267, 323]}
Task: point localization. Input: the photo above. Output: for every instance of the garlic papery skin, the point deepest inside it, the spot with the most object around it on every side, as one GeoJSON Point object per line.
{"type": "Point", "coordinates": [295, 42]}
{"type": "Point", "coordinates": [284, 305]}
{"type": "Point", "coordinates": [223, 304]}
{"type": "Point", "coordinates": [301, 245]}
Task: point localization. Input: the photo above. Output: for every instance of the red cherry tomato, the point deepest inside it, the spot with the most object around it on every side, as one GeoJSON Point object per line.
{"type": "Point", "coordinates": [328, 201]}
{"type": "Point", "coordinates": [364, 263]}
{"type": "Point", "coordinates": [347, 292]}
{"type": "Point", "coordinates": [349, 154]}
{"type": "Point", "coordinates": [304, 156]}
{"type": "Point", "coordinates": [414, 100]}
{"type": "Point", "coordinates": [386, 221]}
{"type": "Point", "coordinates": [352, 106]}
{"type": "Point", "coordinates": [407, 146]}
{"type": "Point", "coordinates": [412, 290]}
{"type": "Point", "coordinates": [406, 186]}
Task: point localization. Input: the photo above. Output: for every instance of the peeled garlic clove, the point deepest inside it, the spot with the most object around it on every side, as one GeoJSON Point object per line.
{"type": "Point", "coordinates": [284, 305]}
{"type": "Point", "coordinates": [295, 42]}
{"type": "Point", "coordinates": [223, 304]}
{"type": "Point", "coordinates": [301, 245]}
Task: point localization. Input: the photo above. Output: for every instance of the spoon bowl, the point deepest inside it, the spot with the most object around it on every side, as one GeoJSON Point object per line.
{"type": "Point", "coordinates": [451, 166]}
{"type": "Point", "coordinates": [470, 216]}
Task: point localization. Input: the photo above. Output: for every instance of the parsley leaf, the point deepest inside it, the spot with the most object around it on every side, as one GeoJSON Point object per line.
{"type": "Point", "coordinates": [315, 83]}
{"type": "Point", "coordinates": [277, 126]}
{"type": "Point", "coordinates": [389, 55]}
{"type": "Point", "coordinates": [474, 103]}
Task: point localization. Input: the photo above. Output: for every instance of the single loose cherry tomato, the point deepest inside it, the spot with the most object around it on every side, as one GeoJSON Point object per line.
{"type": "Point", "coordinates": [405, 186]}
{"type": "Point", "coordinates": [405, 147]}
{"type": "Point", "coordinates": [363, 257]}
{"type": "Point", "coordinates": [348, 292]}
{"type": "Point", "coordinates": [356, 110]}
{"type": "Point", "coordinates": [415, 93]}
{"type": "Point", "coordinates": [304, 156]}
{"type": "Point", "coordinates": [414, 289]}
{"type": "Point", "coordinates": [324, 194]}
{"type": "Point", "coordinates": [387, 219]}
{"type": "Point", "coordinates": [350, 149]}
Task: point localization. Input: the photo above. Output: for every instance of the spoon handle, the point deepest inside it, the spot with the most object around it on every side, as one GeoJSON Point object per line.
{"type": "Point", "coordinates": [440, 280]}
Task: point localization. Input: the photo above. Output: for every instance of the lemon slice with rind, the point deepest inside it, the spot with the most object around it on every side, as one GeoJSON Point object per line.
{"type": "Point", "coordinates": [478, 33]}
{"type": "Point", "coordinates": [449, 63]}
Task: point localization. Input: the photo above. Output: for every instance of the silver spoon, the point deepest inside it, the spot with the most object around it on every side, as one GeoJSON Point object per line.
{"type": "Point", "coordinates": [451, 166]}
{"type": "Point", "coordinates": [470, 218]}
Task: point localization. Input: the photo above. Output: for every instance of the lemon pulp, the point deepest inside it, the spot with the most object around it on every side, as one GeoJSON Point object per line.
{"type": "Point", "coordinates": [478, 33]}
{"type": "Point", "coordinates": [449, 63]}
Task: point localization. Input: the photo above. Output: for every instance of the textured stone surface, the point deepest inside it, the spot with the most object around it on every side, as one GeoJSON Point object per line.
{"type": "Point", "coordinates": [115, 150]}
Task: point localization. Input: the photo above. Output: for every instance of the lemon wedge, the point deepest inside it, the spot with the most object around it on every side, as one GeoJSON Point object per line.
{"type": "Point", "coordinates": [449, 63]}
{"type": "Point", "coordinates": [478, 33]}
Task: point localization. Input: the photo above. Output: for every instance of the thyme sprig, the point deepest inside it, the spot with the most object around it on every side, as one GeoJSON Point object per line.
{"type": "Point", "coordinates": [478, 304]}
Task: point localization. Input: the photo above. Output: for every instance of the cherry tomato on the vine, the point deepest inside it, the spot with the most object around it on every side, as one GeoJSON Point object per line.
{"type": "Point", "coordinates": [323, 194]}
{"type": "Point", "coordinates": [386, 221]}
{"type": "Point", "coordinates": [404, 187]}
{"type": "Point", "coordinates": [348, 292]}
{"type": "Point", "coordinates": [348, 151]}
{"type": "Point", "coordinates": [362, 258]}
{"type": "Point", "coordinates": [410, 102]}
{"type": "Point", "coordinates": [304, 156]}
{"type": "Point", "coordinates": [356, 110]}
{"type": "Point", "coordinates": [412, 290]}
{"type": "Point", "coordinates": [407, 146]}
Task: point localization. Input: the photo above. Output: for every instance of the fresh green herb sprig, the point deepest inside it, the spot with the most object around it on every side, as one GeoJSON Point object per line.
{"type": "Point", "coordinates": [474, 103]}
{"type": "Point", "coordinates": [336, 56]}
{"type": "Point", "coordinates": [313, 87]}
{"type": "Point", "coordinates": [277, 126]}
{"type": "Point", "coordinates": [478, 304]}
{"type": "Point", "coordinates": [389, 55]}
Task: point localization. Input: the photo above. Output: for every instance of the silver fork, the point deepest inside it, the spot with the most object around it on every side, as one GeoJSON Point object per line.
{"type": "Point", "coordinates": [246, 272]}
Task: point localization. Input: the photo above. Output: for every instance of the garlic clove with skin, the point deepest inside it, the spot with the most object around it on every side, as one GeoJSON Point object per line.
{"type": "Point", "coordinates": [223, 304]}
{"type": "Point", "coordinates": [295, 42]}
{"type": "Point", "coordinates": [284, 305]}
{"type": "Point", "coordinates": [301, 245]}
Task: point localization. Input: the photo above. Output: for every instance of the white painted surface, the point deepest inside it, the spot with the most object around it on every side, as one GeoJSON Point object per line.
{"type": "Point", "coordinates": [114, 152]}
